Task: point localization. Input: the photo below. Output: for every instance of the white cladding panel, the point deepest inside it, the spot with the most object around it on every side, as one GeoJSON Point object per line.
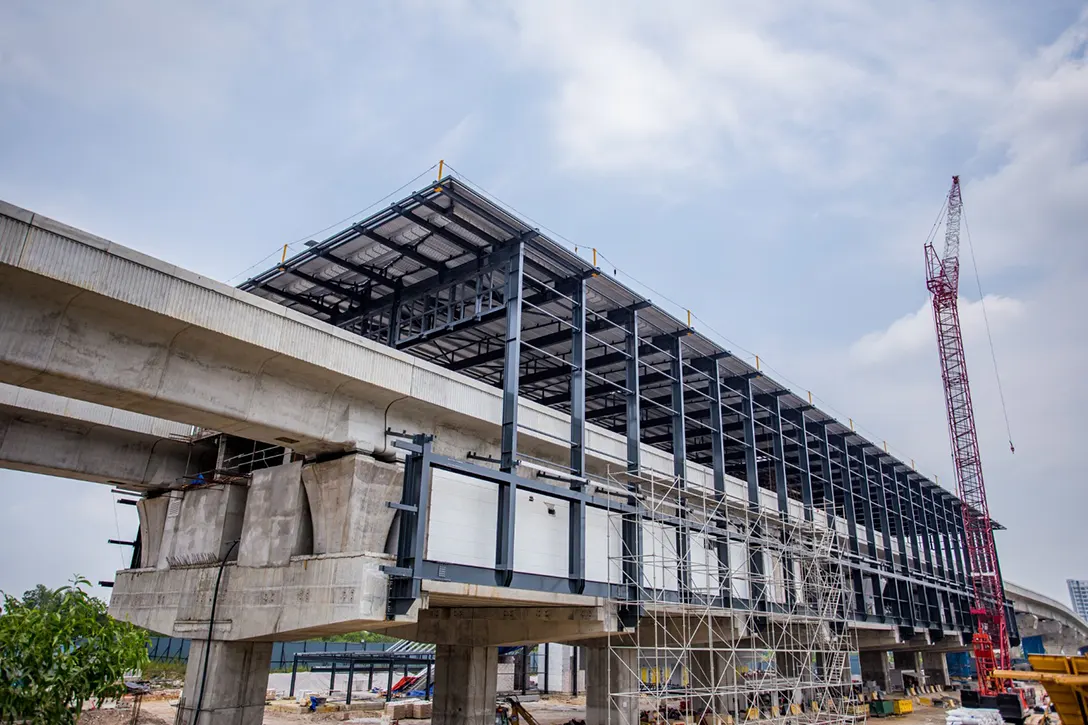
{"type": "Point", "coordinates": [540, 534]}
{"type": "Point", "coordinates": [463, 527]}
{"type": "Point", "coordinates": [704, 566]}
{"type": "Point", "coordinates": [463, 519]}
{"type": "Point", "coordinates": [604, 546]}
{"type": "Point", "coordinates": [738, 568]}
{"type": "Point", "coordinates": [659, 562]}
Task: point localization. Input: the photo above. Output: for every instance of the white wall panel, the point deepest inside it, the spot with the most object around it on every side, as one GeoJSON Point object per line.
{"type": "Point", "coordinates": [463, 520]}
{"type": "Point", "coordinates": [738, 566]}
{"type": "Point", "coordinates": [540, 534]}
{"type": "Point", "coordinates": [704, 566]}
{"type": "Point", "coordinates": [659, 569]}
{"type": "Point", "coordinates": [604, 546]}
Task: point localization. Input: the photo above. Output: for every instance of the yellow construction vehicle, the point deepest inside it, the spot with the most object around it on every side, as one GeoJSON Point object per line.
{"type": "Point", "coordinates": [1065, 680]}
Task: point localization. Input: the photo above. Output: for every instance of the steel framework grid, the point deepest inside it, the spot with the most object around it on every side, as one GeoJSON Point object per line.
{"type": "Point", "coordinates": [453, 277]}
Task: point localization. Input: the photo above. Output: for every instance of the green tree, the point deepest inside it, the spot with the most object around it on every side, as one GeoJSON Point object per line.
{"type": "Point", "coordinates": [42, 597]}
{"type": "Point", "coordinates": [59, 648]}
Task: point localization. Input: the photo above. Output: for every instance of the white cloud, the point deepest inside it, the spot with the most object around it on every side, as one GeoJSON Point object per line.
{"type": "Point", "coordinates": [710, 88]}
{"type": "Point", "coordinates": [914, 333]}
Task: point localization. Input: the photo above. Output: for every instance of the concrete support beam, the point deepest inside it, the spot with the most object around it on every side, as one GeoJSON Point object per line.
{"type": "Point", "coordinates": [235, 686]}
{"type": "Point", "coordinates": [507, 626]}
{"type": "Point", "coordinates": [465, 678]}
{"type": "Point", "coordinates": [57, 436]}
{"type": "Point", "coordinates": [612, 686]}
{"type": "Point", "coordinates": [278, 587]}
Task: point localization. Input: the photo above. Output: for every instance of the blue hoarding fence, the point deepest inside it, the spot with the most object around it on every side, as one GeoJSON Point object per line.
{"type": "Point", "coordinates": [173, 649]}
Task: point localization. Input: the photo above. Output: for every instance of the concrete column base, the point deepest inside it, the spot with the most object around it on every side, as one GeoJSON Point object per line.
{"type": "Point", "coordinates": [710, 671]}
{"type": "Point", "coordinates": [235, 686]}
{"type": "Point", "coordinates": [874, 667]}
{"type": "Point", "coordinates": [612, 686]}
{"type": "Point", "coordinates": [464, 685]}
{"type": "Point", "coordinates": [935, 665]}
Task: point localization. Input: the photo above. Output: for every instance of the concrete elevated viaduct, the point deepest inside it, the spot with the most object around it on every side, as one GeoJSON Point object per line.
{"type": "Point", "coordinates": [1062, 631]}
{"type": "Point", "coordinates": [535, 395]}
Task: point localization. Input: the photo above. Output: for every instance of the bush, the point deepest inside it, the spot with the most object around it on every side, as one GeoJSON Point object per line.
{"type": "Point", "coordinates": [58, 648]}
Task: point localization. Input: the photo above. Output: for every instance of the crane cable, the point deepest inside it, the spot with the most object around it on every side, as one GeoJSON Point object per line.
{"type": "Point", "coordinates": [989, 337]}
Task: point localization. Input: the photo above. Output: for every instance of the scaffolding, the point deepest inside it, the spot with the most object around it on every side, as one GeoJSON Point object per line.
{"type": "Point", "coordinates": [743, 613]}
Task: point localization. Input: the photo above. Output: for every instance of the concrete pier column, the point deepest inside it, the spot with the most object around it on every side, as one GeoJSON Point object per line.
{"type": "Point", "coordinates": [874, 667]}
{"type": "Point", "coordinates": [795, 674]}
{"type": "Point", "coordinates": [711, 672]}
{"type": "Point", "coordinates": [235, 685]}
{"type": "Point", "coordinates": [612, 686]}
{"type": "Point", "coordinates": [464, 685]}
{"type": "Point", "coordinates": [935, 665]}
{"type": "Point", "coordinates": [910, 660]}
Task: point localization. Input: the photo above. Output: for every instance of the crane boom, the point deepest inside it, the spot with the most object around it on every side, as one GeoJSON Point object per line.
{"type": "Point", "coordinates": [991, 641]}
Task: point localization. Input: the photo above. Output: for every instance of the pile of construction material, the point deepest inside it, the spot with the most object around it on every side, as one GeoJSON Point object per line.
{"type": "Point", "coordinates": [973, 716]}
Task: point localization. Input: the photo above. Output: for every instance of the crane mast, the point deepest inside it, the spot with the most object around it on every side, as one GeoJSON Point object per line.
{"type": "Point", "coordinates": [991, 641]}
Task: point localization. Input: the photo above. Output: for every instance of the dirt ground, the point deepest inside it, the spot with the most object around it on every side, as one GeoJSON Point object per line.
{"type": "Point", "coordinates": [123, 717]}
{"type": "Point", "coordinates": [553, 711]}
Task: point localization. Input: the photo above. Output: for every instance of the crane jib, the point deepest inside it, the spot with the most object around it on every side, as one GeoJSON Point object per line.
{"type": "Point", "coordinates": [991, 642]}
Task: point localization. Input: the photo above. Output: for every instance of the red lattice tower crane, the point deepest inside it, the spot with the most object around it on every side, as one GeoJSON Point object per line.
{"type": "Point", "coordinates": [991, 640]}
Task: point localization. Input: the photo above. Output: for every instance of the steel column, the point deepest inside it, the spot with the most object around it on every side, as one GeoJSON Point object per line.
{"type": "Point", "coordinates": [577, 509]}
{"type": "Point", "coordinates": [779, 448]}
{"type": "Point", "coordinates": [631, 529]}
{"type": "Point", "coordinates": [870, 529]}
{"type": "Point", "coordinates": [717, 464]}
{"type": "Point", "coordinates": [504, 546]}
{"type": "Point", "coordinates": [804, 464]}
{"type": "Point", "coordinates": [679, 467]}
{"type": "Point", "coordinates": [511, 361]}
{"type": "Point", "coordinates": [634, 417]}
{"type": "Point", "coordinates": [903, 521]}
{"type": "Point", "coordinates": [756, 594]}
{"type": "Point", "coordinates": [851, 519]}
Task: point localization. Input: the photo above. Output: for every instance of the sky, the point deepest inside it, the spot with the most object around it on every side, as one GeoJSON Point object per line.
{"type": "Point", "coordinates": [774, 168]}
